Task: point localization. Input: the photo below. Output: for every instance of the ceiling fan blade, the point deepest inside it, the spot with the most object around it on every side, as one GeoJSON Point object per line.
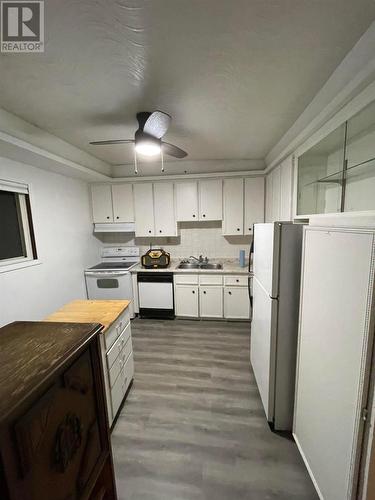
{"type": "Point", "coordinates": [114, 141]}
{"type": "Point", "coordinates": [171, 150]}
{"type": "Point", "coordinates": [157, 124]}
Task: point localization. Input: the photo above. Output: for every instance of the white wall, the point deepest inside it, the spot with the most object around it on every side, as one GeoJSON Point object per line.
{"type": "Point", "coordinates": [195, 238]}
{"type": "Point", "coordinates": [65, 245]}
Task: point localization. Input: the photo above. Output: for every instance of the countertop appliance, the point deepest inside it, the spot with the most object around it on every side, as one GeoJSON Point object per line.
{"type": "Point", "coordinates": [111, 278]}
{"type": "Point", "coordinates": [274, 327]}
{"type": "Point", "coordinates": [155, 295]}
{"type": "Point", "coordinates": [155, 258]}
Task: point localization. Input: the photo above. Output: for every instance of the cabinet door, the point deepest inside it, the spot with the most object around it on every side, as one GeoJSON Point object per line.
{"type": "Point", "coordinates": [165, 222]}
{"type": "Point", "coordinates": [276, 178]}
{"type": "Point", "coordinates": [186, 301]}
{"type": "Point", "coordinates": [144, 209]}
{"type": "Point", "coordinates": [254, 202]}
{"type": "Point", "coordinates": [233, 206]}
{"type": "Point", "coordinates": [236, 303]}
{"type": "Point", "coordinates": [211, 301]}
{"type": "Point", "coordinates": [211, 199]}
{"type": "Point", "coordinates": [123, 207]}
{"type": "Point", "coordinates": [101, 203]}
{"type": "Point", "coordinates": [269, 198]}
{"type": "Point", "coordinates": [286, 180]}
{"type": "Point", "coordinates": [186, 201]}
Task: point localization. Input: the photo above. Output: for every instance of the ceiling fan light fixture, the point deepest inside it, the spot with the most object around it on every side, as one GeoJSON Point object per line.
{"type": "Point", "coordinates": [147, 148]}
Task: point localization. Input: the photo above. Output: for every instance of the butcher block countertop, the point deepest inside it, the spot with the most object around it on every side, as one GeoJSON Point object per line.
{"type": "Point", "coordinates": [104, 312]}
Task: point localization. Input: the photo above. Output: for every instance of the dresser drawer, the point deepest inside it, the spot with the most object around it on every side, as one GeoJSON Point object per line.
{"type": "Point", "coordinates": [210, 279]}
{"type": "Point", "coordinates": [116, 328]}
{"type": "Point", "coordinates": [121, 385]}
{"type": "Point", "coordinates": [118, 346]}
{"type": "Point", "coordinates": [120, 362]}
{"type": "Point", "coordinates": [241, 280]}
{"type": "Point", "coordinates": [186, 279]}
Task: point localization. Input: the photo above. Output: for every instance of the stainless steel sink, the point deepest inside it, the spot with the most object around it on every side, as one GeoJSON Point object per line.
{"type": "Point", "coordinates": [197, 265]}
{"type": "Point", "coordinates": [189, 265]}
{"type": "Point", "coordinates": [211, 266]}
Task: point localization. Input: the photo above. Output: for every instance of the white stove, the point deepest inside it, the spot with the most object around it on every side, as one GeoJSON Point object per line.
{"type": "Point", "coordinates": [111, 279]}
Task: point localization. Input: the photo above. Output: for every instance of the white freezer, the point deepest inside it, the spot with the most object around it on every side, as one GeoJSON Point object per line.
{"type": "Point", "coordinates": [334, 355]}
{"type": "Point", "coordinates": [265, 259]}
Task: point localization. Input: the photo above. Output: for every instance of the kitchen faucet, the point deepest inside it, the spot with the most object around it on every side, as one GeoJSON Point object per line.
{"type": "Point", "coordinates": [200, 260]}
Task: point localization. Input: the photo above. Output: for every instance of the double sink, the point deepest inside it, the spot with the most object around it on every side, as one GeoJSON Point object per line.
{"type": "Point", "coordinates": [199, 265]}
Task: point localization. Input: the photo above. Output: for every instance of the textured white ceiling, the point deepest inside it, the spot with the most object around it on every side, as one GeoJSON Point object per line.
{"type": "Point", "coordinates": [234, 74]}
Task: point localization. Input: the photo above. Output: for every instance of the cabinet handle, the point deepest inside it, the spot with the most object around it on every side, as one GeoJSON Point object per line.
{"type": "Point", "coordinates": [193, 291]}
{"type": "Point", "coordinates": [230, 293]}
{"type": "Point", "coordinates": [204, 292]}
{"type": "Point", "coordinates": [150, 231]}
{"type": "Point", "coordinates": [117, 217]}
{"type": "Point", "coordinates": [193, 215]}
{"type": "Point", "coordinates": [160, 231]}
{"type": "Point", "coordinates": [107, 216]}
{"type": "Point", "coordinates": [238, 281]}
{"type": "Point", "coordinates": [204, 215]}
{"type": "Point", "coordinates": [238, 229]}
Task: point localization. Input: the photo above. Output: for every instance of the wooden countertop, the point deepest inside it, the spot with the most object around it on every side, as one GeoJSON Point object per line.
{"type": "Point", "coordinates": [104, 312]}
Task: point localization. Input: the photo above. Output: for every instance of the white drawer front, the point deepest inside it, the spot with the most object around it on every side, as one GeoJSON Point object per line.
{"type": "Point", "coordinates": [118, 346]}
{"type": "Point", "coordinates": [120, 362]}
{"type": "Point", "coordinates": [186, 279]}
{"type": "Point", "coordinates": [236, 280]}
{"type": "Point", "coordinates": [121, 385]}
{"type": "Point", "coordinates": [115, 330]}
{"type": "Point", "coordinates": [210, 279]}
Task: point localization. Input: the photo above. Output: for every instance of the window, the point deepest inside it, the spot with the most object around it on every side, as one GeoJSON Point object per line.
{"type": "Point", "coordinates": [17, 243]}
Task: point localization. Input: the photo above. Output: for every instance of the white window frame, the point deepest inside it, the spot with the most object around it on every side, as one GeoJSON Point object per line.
{"type": "Point", "coordinates": [22, 190]}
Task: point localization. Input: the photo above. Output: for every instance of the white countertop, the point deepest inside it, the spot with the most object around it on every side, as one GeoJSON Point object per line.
{"type": "Point", "coordinates": [230, 266]}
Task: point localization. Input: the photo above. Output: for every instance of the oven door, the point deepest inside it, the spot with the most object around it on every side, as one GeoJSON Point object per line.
{"type": "Point", "coordinates": [109, 285]}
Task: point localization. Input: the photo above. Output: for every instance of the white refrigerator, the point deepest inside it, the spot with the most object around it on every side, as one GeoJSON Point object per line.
{"type": "Point", "coordinates": [274, 327]}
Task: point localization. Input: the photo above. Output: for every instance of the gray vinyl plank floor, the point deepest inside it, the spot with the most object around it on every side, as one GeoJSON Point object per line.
{"type": "Point", "coordinates": [193, 427]}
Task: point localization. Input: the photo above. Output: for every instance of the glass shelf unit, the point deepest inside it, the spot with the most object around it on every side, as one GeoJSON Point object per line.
{"type": "Point", "coordinates": [338, 173]}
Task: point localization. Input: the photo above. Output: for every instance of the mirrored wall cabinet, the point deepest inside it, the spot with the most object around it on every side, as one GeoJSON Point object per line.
{"type": "Point", "coordinates": [338, 173]}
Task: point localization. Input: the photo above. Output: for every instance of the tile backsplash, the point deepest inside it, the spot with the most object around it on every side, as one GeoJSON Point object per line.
{"type": "Point", "coordinates": [195, 238]}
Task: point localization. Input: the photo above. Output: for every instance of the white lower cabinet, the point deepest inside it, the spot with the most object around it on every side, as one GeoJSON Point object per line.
{"type": "Point", "coordinates": [212, 296]}
{"type": "Point", "coordinates": [236, 302]}
{"type": "Point", "coordinates": [211, 301]}
{"type": "Point", "coordinates": [118, 364]}
{"type": "Point", "coordinates": [186, 300]}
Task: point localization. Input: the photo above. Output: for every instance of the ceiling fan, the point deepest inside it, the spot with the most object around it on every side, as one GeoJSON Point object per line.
{"type": "Point", "coordinates": [148, 138]}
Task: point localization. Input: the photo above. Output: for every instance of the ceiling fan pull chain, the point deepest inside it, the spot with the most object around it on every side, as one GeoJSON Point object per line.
{"type": "Point", "coordinates": [135, 162]}
{"type": "Point", "coordinates": [162, 161]}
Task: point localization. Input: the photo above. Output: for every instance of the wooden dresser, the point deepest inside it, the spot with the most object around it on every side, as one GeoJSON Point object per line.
{"type": "Point", "coordinates": [54, 436]}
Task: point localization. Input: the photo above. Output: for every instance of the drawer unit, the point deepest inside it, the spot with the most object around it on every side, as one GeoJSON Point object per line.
{"type": "Point", "coordinates": [120, 362]}
{"type": "Point", "coordinates": [210, 279]}
{"type": "Point", "coordinates": [118, 346]}
{"type": "Point", "coordinates": [114, 332]}
{"type": "Point", "coordinates": [186, 279]}
{"type": "Point", "coordinates": [121, 385]}
{"type": "Point", "coordinates": [240, 280]}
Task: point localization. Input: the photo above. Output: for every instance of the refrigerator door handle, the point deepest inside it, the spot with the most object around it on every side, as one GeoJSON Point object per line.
{"type": "Point", "coordinates": [250, 297]}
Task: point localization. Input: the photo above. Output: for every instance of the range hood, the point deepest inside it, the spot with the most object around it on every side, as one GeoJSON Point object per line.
{"type": "Point", "coordinates": [115, 227]}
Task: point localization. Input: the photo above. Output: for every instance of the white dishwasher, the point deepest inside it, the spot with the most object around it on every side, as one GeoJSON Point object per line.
{"type": "Point", "coordinates": [155, 295]}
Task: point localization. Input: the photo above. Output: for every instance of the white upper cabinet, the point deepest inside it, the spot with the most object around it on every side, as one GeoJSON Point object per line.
{"type": "Point", "coordinates": [164, 210]}
{"type": "Point", "coordinates": [233, 206]}
{"type": "Point", "coordinates": [144, 209]}
{"type": "Point", "coordinates": [254, 203]}
{"type": "Point", "coordinates": [122, 198]}
{"type": "Point", "coordinates": [286, 186]}
{"type": "Point", "coordinates": [101, 203]}
{"type": "Point", "coordinates": [211, 199]}
{"type": "Point", "coordinates": [187, 201]}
